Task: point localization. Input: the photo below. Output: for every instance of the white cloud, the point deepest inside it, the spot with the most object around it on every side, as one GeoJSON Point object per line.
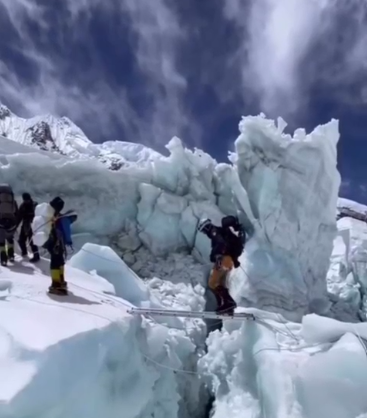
{"type": "Point", "coordinates": [345, 187]}
{"type": "Point", "coordinates": [363, 190]}
{"type": "Point", "coordinates": [277, 36]}
{"type": "Point", "coordinates": [158, 38]}
{"type": "Point", "coordinates": [159, 35]}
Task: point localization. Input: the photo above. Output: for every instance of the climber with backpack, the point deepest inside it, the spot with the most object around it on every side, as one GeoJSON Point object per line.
{"type": "Point", "coordinates": [8, 223]}
{"type": "Point", "coordinates": [52, 231]}
{"type": "Point", "coordinates": [227, 244]}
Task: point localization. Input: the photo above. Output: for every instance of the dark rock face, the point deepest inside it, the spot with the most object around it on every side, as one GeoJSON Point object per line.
{"type": "Point", "coordinates": [4, 112]}
{"type": "Point", "coordinates": [41, 137]}
{"type": "Point", "coordinates": [347, 212]}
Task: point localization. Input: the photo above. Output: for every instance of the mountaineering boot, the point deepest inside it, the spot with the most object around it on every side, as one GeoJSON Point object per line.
{"type": "Point", "coordinates": [56, 287]}
{"type": "Point", "coordinates": [57, 290]}
{"type": "Point", "coordinates": [229, 305]}
{"type": "Point", "coordinates": [63, 283]}
{"type": "Point", "coordinates": [3, 258]}
{"type": "Point", "coordinates": [10, 252]}
{"type": "Point", "coordinates": [35, 258]}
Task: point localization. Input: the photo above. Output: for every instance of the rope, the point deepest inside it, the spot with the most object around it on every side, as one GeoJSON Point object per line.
{"type": "Point", "coordinates": [151, 360]}
{"type": "Point", "coordinates": [287, 333]}
{"type": "Point", "coordinates": [216, 322]}
{"type": "Point", "coordinates": [175, 370]}
{"type": "Point", "coordinates": [360, 339]}
{"type": "Point", "coordinates": [261, 321]}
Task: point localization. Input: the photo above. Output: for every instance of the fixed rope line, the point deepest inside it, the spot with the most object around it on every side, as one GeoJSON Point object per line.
{"type": "Point", "coordinates": [175, 370]}
{"type": "Point", "coordinates": [260, 320]}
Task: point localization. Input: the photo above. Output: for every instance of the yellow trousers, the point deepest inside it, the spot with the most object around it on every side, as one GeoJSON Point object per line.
{"type": "Point", "coordinates": [218, 275]}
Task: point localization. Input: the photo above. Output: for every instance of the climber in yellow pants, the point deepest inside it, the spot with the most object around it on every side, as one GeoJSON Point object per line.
{"type": "Point", "coordinates": [224, 255]}
{"type": "Point", "coordinates": [59, 238]}
{"type": "Point", "coordinates": [218, 284]}
{"type": "Point", "coordinates": [219, 272]}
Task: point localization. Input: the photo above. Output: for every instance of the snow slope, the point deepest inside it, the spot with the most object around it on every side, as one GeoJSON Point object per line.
{"type": "Point", "coordinates": [287, 201]}
{"type": "Point", "coordinates": [83, 355]}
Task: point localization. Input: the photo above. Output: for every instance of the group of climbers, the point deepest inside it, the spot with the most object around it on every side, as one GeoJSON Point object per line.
{"type": "Point", "coordinates": [40, 226]}
{"type": "Point", "coordinates": [46, 226]}
{"type": "Point", "coordinates": [11, 217]}
{"type": "Point", "coordinates": [227, 244]}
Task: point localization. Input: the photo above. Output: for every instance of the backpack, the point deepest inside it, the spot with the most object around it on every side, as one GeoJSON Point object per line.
{"type": "Point", "coordinates": [236, 243]}
{"type": "Point", "coordinates": [64, 226]}
{"type": "Point", "coordinates": [8, 205]}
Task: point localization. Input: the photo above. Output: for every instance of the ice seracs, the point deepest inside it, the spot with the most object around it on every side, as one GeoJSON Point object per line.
{"type": "Point", "coordinates": [283, 187]}
{"type": "Point", "coordinates": [347, 275]}
{"type": "Point", "coordinates": [273, 368]}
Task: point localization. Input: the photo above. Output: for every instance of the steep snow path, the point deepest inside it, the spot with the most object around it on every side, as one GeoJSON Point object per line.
{"type": "Point", "coordinates": [33, 323]}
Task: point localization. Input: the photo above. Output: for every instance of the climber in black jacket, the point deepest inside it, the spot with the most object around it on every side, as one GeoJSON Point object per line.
{"type": "Point", "coordinates": [226, 247]}
{"type": "Point", "coordinates": [25, 218]}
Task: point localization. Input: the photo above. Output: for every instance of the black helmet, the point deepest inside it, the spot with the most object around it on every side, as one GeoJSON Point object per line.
{"type": "Point", "coordinates": [58, 204]}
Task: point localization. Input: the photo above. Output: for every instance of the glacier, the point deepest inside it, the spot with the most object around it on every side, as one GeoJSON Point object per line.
{"type": "Point", "coordinates": [287, 202]}
{"type": "Point", "coordinates": [302, 273]}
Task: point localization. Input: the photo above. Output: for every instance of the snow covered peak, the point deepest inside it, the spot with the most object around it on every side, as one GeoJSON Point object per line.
{"type": "Point", "coordinates": [62, 136]}
{"type": "Point", "coordinates": [4, 111]}
{"type": "Point", "coordinates": [351, 204]}
{"type": "Point", "coordinates": [46, 133]}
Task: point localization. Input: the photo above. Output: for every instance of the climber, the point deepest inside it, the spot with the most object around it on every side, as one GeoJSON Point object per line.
{"type": "Point", "coordinates": [227, 243]}
{"type": "Point", "coordinates": [25, 218]}
{"type": "Point", "coordinates": [52, 231]}
{"type": "Point", "coordinates": [8, 223]}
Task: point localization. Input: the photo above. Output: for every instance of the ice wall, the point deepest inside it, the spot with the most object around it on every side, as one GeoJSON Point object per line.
{"type": "Point", "coordinates": [155, 203]}
{"type": "Point", "coordinates": [292, 187]}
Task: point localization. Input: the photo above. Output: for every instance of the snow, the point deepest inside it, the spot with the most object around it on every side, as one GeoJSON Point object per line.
{"type": "Point", "coordinates": [292, 187]}
{"type": "Point", "coordinates": [347, 275]}
{"type": "Point", "coordinates": [272, 368]}
{"type": "Point", "coordinates": [61, 135]}
{"type": "Point", "coordinates": [136, 204]}
{"type": "Point", "coordinates": [83, 356]}
{"type": "Point", "coordinates": [106, 263]}
{"type": "Point", "coordinates": [351, 204]}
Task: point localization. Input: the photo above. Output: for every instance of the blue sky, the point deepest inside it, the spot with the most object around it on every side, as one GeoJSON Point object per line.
{"type": "Point", "coordinates": [145, 70]}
